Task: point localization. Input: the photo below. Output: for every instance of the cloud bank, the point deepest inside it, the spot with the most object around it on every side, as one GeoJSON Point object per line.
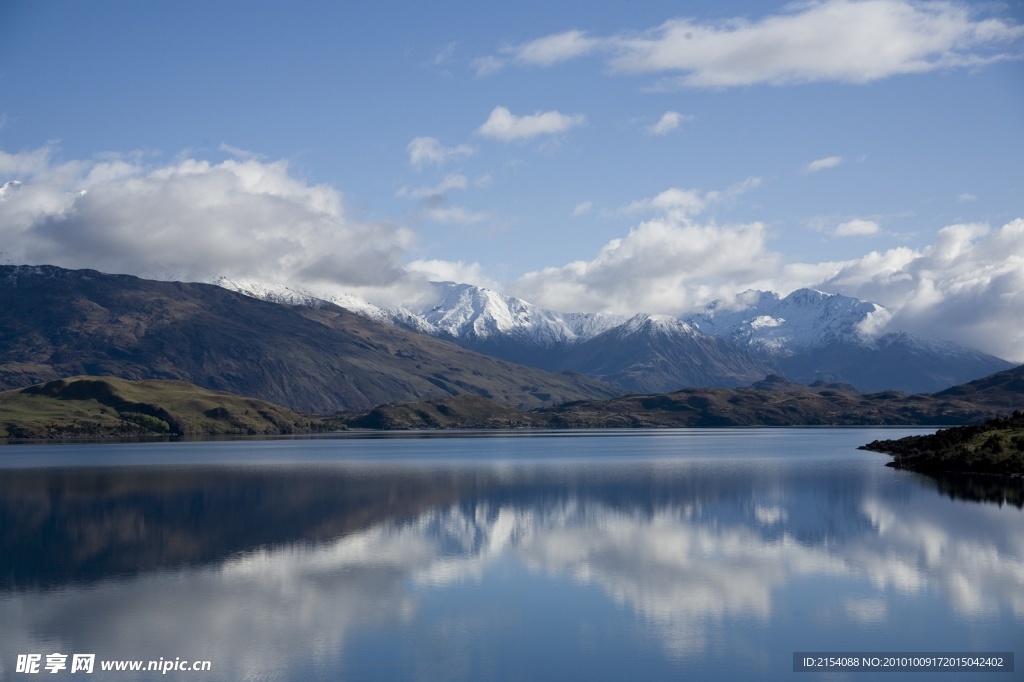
{"type": "Point", "coordinates": [967, 286]}
{"type": "Point", "coordinates": [252, 219]}
{"type": "Point", "coordinates": [196, 220]}
{"type": "Point", "coordinates": [827, 40]}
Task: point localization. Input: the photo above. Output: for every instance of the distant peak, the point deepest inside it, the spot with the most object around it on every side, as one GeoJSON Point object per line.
{"type": "Point", "coordinates": [654, 322]}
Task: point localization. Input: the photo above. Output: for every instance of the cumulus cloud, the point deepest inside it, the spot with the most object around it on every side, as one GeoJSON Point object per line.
{"type": "Point", "coordinates": [856, 227]}
{"type": "Point", "coordinates": [429, 150]}
{"type": "Point", "coordinates": [192, 219]}
{"type": "Point", "coordinates": [27, 163]}
{"type": "Point", "coordinates": [824, 40]}
{"type": "Point", "coordinates": [822, 164]}
{"type": "Point", "coordinates": [678, 203]}
{"type": "Point", "coordinates": [967, 286]}
{"type": "Point", "coordinates": [195, 220]}
{"type": "Point", "coordinates": [503, 125]}
{"type": "Point", "coordinates": [666, 264]}
{"type": "Point", "coordinates": [668, 122]}
{"type": "Point", "coordinates": [669, 263]}
{"type": "Point", "coordinates": [436, 270]}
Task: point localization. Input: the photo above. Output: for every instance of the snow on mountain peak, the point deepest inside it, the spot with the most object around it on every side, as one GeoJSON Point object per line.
{"type": "Point", "coordinates": [467, 311]}
{"type": "Point", "coordinates": [278, 293]}
{"type": "Point", "coordinates": [664, 324]}
{"type": "Point", "coordinates": [806, 318]}
{"type": "Point", "coordinates": [9, 188]}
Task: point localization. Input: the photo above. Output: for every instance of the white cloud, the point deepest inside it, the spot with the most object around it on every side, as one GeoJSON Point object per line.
{"type": "Point", "coordinates": [554, 49]}
{"type": "Point", "coordinates": [27, 163]}
{"type": "Point", "coordinates": [545, 51]}
{"type": "Point", "coordinates": [450, 182]}
{"type": "Point", "coordinates": [429, 150]}
{"type": "Point", "coordinates": [583, 208]}
{"type": "Point", "coordinates": [674, 201]}
{"type": "Point", "coordinates": [967, 286]}
{"type": "Point", "coordinates": [825, 40]}
{"type": "Point", "coordinates": [856, 227]}
{"type": "Point", "coordinates": [822, 164]}
{"type": "Point", "coordinates": [503, 125]}
{"type": "Point", "coordinates": [966, 196]}
{"type": "Point", "coordinates": [453, 271]}
{"type": "Point", "coordinates": [194, 220]}
{"type": "Point", "coordinates": [667, 265]}
{"type": "Point", "coordinates": [668, 122]}
{"type": "Point", "coordinates": [680, 204]}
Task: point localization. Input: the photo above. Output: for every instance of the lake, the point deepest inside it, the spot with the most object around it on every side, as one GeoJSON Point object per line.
{"type": "Point", "coordinates": [656, 555]}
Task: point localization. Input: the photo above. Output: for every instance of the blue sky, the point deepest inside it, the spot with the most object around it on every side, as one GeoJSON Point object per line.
{"type": "Point", "coordinates": [616, 158]}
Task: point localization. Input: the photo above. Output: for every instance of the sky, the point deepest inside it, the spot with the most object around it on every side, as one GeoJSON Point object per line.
{"type": "Point", "coordinates": [596, 157]}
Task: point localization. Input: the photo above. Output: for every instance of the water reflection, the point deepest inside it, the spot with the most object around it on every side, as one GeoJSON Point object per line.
{"type": "Point", "coordinates": [282, 573]}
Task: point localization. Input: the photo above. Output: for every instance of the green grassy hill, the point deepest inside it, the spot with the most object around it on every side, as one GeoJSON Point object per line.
{"type": "Point", "coordinates": [104, 407]}
{"type": "Point", "coordinates": [995, 447]}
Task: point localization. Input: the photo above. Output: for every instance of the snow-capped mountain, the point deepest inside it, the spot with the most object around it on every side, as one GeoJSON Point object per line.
{"type": "Point", "coordinates": [808, 336]}
{"type": "Point", "coordinates": [816, 336]}
{"type": "Point", "coordinates": [661, 354]}
{"type": "Point", "coordinates": [806, 318]}
{"type": "Point", "coordinates": [278, 293]}
{"type": "Point", "coordinates": [473, 313]}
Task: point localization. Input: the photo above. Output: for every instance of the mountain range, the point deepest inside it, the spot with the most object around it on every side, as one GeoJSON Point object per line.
{"type": "Point", "coordinates": [806, 336]}
{"type": "Point", "coordinates": [57, 323]}
{"type": "Point", "coordinates": [317, 353]}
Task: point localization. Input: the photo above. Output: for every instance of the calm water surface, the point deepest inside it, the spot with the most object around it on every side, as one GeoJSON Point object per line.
{"type": "Point", "coordinates": [679, 554]}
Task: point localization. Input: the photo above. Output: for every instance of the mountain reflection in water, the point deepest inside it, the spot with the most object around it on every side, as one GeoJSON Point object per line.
{"type": "Point", "coordinates": [284, 572]}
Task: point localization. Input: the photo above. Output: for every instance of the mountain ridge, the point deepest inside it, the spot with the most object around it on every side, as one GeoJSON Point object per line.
{"type": "Point", "coordinates": [808, 335]}
{"type": "Point", "coordinates": [56, 323]}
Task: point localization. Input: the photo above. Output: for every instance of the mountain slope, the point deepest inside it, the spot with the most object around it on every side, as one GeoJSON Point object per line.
{"type": "Point", "coordinates": [96, 407]}
{"type": "Point", "coordinates": [814, 336]}
{"type": "Point", "coordinates": [659, 354]}
{"type": "Point", "coordinates": [56, 323]}
{"type": "Point", "coordinates": [646, 353]}
{"type": "Point", "coordinates": [772, 401]}
{"type": "Point", "coordinates": [808, 335]}
{"type": "Point", "coordinates": [1003, 389]}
